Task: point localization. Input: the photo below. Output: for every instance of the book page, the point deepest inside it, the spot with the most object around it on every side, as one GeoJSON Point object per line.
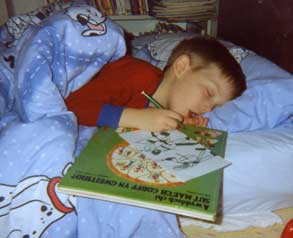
{"type": "Point", "coordinates": [175, 152]}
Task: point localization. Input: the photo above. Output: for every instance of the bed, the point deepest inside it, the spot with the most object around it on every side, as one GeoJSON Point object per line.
{"type": "Point", "coordinates": [259, 144]}
{"type": "Point", "coordinates": [44, 59]}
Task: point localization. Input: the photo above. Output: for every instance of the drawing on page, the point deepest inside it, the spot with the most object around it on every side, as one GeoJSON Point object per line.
{"type": "Point", "coordinates": [175, 152]}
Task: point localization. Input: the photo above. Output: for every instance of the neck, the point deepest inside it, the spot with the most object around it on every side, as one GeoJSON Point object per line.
{"type": "Point", "coordinates": [161, 94]}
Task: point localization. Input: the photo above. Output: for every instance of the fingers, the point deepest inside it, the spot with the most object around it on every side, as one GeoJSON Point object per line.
{"type": "Point", "coordinates": [155, 119]}
{"type": "Point", "coordinates": [204, 122]}
{"type": "Point", "coordinates": [165, 120]}
{"type": "Point", "coordinates": [196, 121]}
{"type": "Point", "coordinates": [175, 116]}
{"type": "Point", "coordinates": [174, 119]}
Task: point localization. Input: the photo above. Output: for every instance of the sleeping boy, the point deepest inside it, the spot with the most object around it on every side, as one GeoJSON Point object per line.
{"type": "Point", "coordinates": [200, 75]}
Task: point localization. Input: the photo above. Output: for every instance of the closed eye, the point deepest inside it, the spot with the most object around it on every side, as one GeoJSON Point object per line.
{"type": "Point", "coordinates": [209, 93]}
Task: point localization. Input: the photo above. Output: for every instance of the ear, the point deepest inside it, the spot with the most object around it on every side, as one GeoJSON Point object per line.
{"type": "Point", "coordinates": [181, 64]}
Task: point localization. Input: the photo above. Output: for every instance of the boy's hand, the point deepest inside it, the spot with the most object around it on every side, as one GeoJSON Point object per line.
{"type": "Point", "coordinates": [151, 119]}
{"type": "Point", "coordinates": [196, 121]}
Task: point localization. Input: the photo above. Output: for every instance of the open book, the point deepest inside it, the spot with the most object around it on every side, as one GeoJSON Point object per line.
{"type": "Point", "coordinates": [175, 152]}
{"type": "Point", "coordinates": [176, 171]}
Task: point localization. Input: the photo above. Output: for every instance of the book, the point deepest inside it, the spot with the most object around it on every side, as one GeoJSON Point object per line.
{"type": "Point", "coordinates": [99, 6]}
{"type": "Point", "coordinates": [108, 7]}
{"type": "Point", "coordinates": [120, 5]}
{"type": "Point", "coordinates": [112, 169]}
{"type": "Point", "coordinates": [184, 10]}
{"type": "Point", "coordinates": [134, 7]}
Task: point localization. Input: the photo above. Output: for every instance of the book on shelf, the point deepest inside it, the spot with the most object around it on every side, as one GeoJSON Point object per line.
{"type": "Point", "coordinates": [122, 7]}
{"type": "Point", "coordinates": [174, 171]}
{"type": "Point", "coordinates": [189, 10]}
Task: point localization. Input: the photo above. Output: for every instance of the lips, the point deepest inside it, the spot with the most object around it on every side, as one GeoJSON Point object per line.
{"type": "Point", "coordinates": [193, 114]}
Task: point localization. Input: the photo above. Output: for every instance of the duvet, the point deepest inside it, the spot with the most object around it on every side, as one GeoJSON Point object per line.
{"type": "Point", "coordinates": [45, 55]}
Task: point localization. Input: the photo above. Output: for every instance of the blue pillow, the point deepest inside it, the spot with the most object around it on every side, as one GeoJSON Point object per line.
{"type": "Point", "coordinates": [267, 102]}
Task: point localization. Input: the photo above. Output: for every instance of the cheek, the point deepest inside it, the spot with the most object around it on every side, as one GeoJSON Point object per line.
{"type": "Point", "coordinates": [185, 104]}
{"type": "Point", "coordinates": [196, 105]}
{"type": "Point", "coordinates": [183, 99]}
{"type": "Point", "coordinates": [178, 105]}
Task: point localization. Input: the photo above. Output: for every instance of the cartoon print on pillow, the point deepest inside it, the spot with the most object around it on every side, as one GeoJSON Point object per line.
{"type": "Point", "coordinates": [90, 17]}
{"type": "Point", "coordinates": [36, 195]}
{"type": "Point", "coordinates": [240, 53]}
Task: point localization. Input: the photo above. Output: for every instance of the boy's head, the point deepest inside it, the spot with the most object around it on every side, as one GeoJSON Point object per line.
{"type": "Point", "coordinates": [211, 75]}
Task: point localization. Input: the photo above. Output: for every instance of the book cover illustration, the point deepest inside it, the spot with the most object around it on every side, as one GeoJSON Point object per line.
{"type": "Point", "coordinates": [110, 168]}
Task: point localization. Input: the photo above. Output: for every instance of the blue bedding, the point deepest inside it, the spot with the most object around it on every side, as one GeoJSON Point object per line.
{"type": "Point", "coordinates": [43, 59]}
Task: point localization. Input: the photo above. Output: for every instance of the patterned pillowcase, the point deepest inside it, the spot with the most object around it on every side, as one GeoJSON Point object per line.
{"type": "Point", "coordinates": [159, 47]}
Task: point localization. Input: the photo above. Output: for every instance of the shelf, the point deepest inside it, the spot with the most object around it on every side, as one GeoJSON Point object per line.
{"type": "Point", "coordinates": [140, 24]}
{"type": "Point", "coordinates": [131, 17]}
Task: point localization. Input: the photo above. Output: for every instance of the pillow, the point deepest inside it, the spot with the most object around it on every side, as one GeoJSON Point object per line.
{"type": "Point", "coordinates": [267, 102]}
{"type": "Point", "coordinates": [156, 48]}
{"type": "Point", "coordinates": [146, 39]}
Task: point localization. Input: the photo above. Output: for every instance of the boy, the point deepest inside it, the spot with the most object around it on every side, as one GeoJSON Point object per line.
{"type": "Point", "coordinates": [200, 75]}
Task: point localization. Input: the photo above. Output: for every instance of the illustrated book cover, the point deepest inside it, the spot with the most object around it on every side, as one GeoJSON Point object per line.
{"type": "Point", "coordinates": [178, 171]}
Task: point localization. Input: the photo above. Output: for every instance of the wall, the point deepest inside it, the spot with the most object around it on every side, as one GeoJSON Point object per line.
{"type": "Point", "coordinates": [24, 6]}
{"type": "Point", "coordinates": [18, 7]}
{"type": "Point", "coordinates": [264, 26]}
{"type": "Point", "coordinates": [3, 12]}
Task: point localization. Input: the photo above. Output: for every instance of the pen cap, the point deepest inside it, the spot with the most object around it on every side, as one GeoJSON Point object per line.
{"type": "Point", "coordinates": [288, 230]}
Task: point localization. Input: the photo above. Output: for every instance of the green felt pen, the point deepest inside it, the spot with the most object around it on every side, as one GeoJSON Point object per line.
{"type": "Point", "coordinates": [152, 100]}
{"type": "Point", "coordinates": [157, 104]}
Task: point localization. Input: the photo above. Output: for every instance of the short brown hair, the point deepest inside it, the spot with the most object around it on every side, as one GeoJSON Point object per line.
{"type": "Point", "coordinates": [211, 51]}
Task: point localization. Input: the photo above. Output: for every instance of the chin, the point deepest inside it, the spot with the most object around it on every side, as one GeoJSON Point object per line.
{"type": "Point", "coordinates": [184, 114]}
{"type": "Point", "coordinates": [180, 111]}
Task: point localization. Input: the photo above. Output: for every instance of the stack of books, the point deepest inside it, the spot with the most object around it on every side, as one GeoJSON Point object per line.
{"type": "Point", "coordinates": [184, 10]}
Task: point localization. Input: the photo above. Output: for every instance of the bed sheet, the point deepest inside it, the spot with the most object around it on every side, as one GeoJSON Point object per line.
{"type": "Point", "coordinates": [42, 61]}
{"type": "Point", "coordinates": [260, 141]}
{"type": "Point", "coordinates": [256, 232]}
{"type": "Point", "coordinates": [258, 181]}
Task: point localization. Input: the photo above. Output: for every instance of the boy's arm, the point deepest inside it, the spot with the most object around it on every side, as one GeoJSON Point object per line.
{"type": "Point", "coordinates": [151, 119]}
{"type": "Point", "coordinates": [98, 113]}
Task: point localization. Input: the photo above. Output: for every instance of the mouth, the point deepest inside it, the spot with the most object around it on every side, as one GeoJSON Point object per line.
{"type": "Point", "coordinates": [95, 30]}
{"type": "Point", "coordinates": [97, 26]}
{"type": "Point", "coordinates": [192, 114]}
